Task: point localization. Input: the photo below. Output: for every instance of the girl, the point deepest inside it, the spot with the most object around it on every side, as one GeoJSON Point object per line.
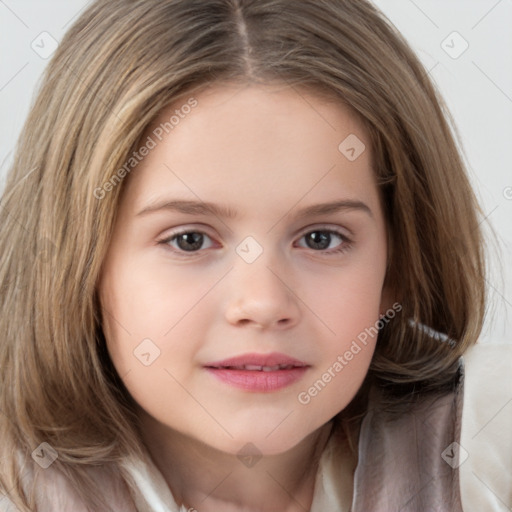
{"type": "Point", "coordinates": [243, 270]}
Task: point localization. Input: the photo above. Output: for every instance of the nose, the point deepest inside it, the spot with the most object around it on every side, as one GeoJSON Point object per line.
{"type": "Point", "coordinates": [261, 296]}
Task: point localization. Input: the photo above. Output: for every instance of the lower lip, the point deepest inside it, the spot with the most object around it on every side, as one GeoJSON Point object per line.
{"type": "Point", "coordinates": [260, 381]}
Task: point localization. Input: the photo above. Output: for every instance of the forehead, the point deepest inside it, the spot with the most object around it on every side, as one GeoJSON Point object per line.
{"type": "Point", "coordinates": [237, 140]}
{"type": "Point", "coordinates": [226, 105]}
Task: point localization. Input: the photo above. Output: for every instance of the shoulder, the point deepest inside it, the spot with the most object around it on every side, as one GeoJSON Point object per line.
{"type": "Point", "coordinates": [53, 491]}
{"type": "Point", "coordinates": [485, 453]}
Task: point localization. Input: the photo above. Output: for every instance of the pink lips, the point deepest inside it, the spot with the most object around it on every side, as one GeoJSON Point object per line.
{"type": "Point", "coordinates": [258, 372]}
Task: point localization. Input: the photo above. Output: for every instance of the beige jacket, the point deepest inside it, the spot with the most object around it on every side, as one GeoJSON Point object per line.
{"type": "Point", "coordinates": [449, 454]}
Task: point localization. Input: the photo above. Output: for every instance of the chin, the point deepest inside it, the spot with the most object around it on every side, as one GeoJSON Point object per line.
{"type": "Point", "coordinates": [260, 440]}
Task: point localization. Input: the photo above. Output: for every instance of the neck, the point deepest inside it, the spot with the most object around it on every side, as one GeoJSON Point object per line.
{"type": "Point", "coordinates": [208, 480]}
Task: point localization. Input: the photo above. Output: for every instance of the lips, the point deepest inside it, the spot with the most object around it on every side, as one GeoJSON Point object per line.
{"type": "Point", "coordinates": [255, 367]}
{"type": "Point", "coordinates": [258, 362]}
{"type": "Point", "coordinates": [258, 372]}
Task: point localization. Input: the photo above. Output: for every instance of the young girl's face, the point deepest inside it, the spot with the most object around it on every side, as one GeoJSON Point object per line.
{"type": "Point", "coordinates": [281, 284]}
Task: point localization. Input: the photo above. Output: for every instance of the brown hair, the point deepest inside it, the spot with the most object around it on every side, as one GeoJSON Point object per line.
{"type": "Point", "coordinates": [119, 65]}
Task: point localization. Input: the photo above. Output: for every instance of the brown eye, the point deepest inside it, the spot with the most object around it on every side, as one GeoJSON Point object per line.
{"type": "Point", "coordinates": [321, 240]}
{"type": "Point", "coordinates": [318, 240]}
{"type": "Point", "coordinates": [187, 241]}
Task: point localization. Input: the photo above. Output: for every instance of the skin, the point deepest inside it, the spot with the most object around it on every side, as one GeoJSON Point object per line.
{"type": "Point", "coordinates": [266, 152]}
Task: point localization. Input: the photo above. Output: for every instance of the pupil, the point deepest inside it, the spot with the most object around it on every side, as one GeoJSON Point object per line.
{"type": "Point", "coordinates": [194, 241]}
{"type": "Point", "coordinates": [320, 238]}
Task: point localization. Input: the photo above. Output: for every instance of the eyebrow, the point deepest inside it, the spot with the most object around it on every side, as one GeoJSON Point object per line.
{"type": "Point", "coordinates": [204, 208]}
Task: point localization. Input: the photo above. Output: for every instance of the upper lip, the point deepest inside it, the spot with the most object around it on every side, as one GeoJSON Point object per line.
{"type": "Point", "coordinates": [273, 359]}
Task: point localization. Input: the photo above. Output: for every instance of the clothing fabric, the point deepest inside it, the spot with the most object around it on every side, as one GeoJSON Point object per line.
{"type": "Point", "coordinates": [452, 452]}
{"type": "Point", "coordinates": [449, 452]}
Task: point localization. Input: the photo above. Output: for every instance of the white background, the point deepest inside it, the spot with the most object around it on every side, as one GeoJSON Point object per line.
{"type": "Point", "coordinates": [477, 86]}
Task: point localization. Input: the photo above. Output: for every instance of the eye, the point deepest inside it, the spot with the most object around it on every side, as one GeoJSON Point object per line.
{"type": "Point", "coordinates": [187, 241]}
{"type": "Point", "coordinates": [321, 239]}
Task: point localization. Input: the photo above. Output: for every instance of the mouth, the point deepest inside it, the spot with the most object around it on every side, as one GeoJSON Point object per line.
{"type": "Point", "coordinates": [258, 368]}
{"type": "Point", "coordinates": [258, 372]}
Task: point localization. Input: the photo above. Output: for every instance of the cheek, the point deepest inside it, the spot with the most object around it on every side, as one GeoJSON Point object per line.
{"type": "Point", "coordinates": [151, 324]}
{"type": "Point", "coordinates": [349, 307]}
{"type": "Point", "coordinates": [346, 301]}
{"type": "Point", "coordinates": [329, 391]}
{"type": "Point", "coordinates": [344, 362]}
{"type": "Point", "coordinates": [144, 299]}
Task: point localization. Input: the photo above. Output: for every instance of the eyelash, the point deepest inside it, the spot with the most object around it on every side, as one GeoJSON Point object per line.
{"type": "Point", "coordinates": [344, 247]}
